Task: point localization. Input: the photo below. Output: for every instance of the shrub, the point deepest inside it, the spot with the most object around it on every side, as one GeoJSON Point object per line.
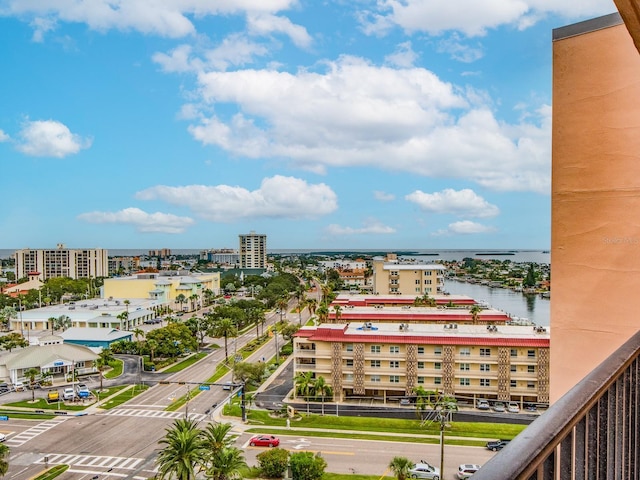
{"type": "Point", "coordinates": [273, 462]}
{"type": "Point", "coordinates": [307, 466]}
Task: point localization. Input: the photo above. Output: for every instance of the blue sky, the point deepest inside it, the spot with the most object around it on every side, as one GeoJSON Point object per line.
{"type": "Point", "coordinates": [360, 124]}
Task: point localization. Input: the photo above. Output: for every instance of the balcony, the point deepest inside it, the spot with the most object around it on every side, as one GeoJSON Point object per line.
{"type": "Point", "coordinates": [590, 433]}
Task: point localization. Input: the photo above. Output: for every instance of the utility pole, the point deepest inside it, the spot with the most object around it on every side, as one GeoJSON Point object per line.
{"type": "Point", "coordinates": [243, 406]}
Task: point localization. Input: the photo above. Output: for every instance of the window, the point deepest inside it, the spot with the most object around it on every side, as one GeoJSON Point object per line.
{"type": "Point", "coordinates": [485, 367]}
{"type": "Point", "coordinates": [437, 380]}
{"type": "Point", "coordinates": [349, 347]}
{"type": "Point", "coordinates": [514, 384]}
{"type": "Point", "coordinates": [394, 281]}
{"type": "Point", "coordinates": [393, 273]}
{"type": "Point", "coordinates": [465, 351]}
{"type": "Point", "coordinates": [417, 282]}
{"type": "Point", "coordinates": [465, 382]}
{"type": "Point", "coordinates": [348, 377]}
{"type": "Point", "coordinates": [375, 363]}
{"type": "Point", "coordinates": [531, 385]}
{"type": "Point", "coordinates": [531, 368]}
{"type": "Point", "coordinates": [514, 352]}
{"type": "Point", "coordinates": [420, 380]}
{"type": "Point", "coordinates": [420, 364]}
{"type": "Point", "coordinates": [421, 350]}
{"type": "Point", "coordinates": [394, 378]}
{"type": "Point", "coordinates": [531, 353]}
{"type": "Point", "coordinates": [485, 352]}
{"type": "Point", "coordinates": [349, 362]}
{"type": "Point", "coordinates": [375, 348]}
{"type": "Point", "coordinates": [514, 368]}
{"type": "Point", "coordinates": [485, 382]}
{"type": "Point", "coordinates": [394, 349]}
{"type": "Point", "coordinates": [437, 365]}
{"type": "Point", "coordinates": [465, 367]}
{"type": "Point", "coordinates": [375, 378]}
{"type": "Point", "coordinates": [394, 364]}
{"type": "Point", "coordinates": [437, 350]}
{"type": "Point", "coordinates": [427, 282]}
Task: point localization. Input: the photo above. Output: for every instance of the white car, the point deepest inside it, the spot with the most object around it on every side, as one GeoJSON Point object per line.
{"type": "Point", "coordinates": [83, 390]}
{"type": "Point", "coordinates": [18, 387]}
{"type": "Point", "coordinates": [3, 437]}
{"type": "Point", "coordinates": [466, 470]}
{"type": "Point", "coordinates": [424, 470]}
{"type": "Point", "coordinates": [68, 393]}
{"type": "Point", "coordinates": [513, 407]}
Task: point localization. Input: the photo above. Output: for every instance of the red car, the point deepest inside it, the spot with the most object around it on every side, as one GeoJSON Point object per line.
{"type": "Point", "coordinates": [264, 441]}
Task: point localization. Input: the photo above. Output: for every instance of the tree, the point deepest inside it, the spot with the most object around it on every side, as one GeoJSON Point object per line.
{"type": "Point", "coordinates": [184, 453]}
{"type": "Point", "coordinates": [323, 313]}
{"type": "Point", "coordinates": [13, 340]}
{"type": "Point", "coordinates": [194, 297]}
{"type": "Point", "coordinates": [104, 358]}
{"type": "Point", "coordinates": [63, 322]}
{"type": "Point", "coordinates": [475, 313]}
{"type": "Point", "coordinates": [312, 304]}
{"type": "Point", "coordinates": [321, 387]}
{"type": "Point", "coordinates": [288, 330]}
{"type": "Point", "coordinates": [123, 317]}
{"type": "Point", "coordinates": [172, 340]}
{"type": "Point", "coordinates": [400, 467]}
{"type": "Point", "coordinates": [4, 459]}
{"type": "Point", "coordinates": [217, 436]}
{"type": "Point", "coordinates": [304, 385]}
{"type": "Point", "coordinates": [152, 345]}
{"type": "Point", "coordinates": [307, 466]}
{"type": "Point", "coordinates": [6, 314]}
{"type": "Point", "coordinates": [530, 279]}
{"type": "Point", "coordinates": [338, 315]}
{"type": "Point", "coordinates": [273, 462]}
{"type": "Point", "coordinates": [31, 375]}
{"type": "Point", "coordinates": [226, 464]}
{"type": "Point", "coordinates": [225, 328]}
{"type": "Point", "coordinates": [300, 296]}
{"type": "Point", "coordinates": [180, 298]}
{"type": "Point", "coordinates": [137, 332]}
{"type": "Point", "coordinates": [248, 371]}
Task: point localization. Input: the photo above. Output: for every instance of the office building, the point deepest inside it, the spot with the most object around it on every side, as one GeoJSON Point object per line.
{"type": "Point", "coordinates": [62, 262]}
{"type": "Point", "coordinates": [253, 250]}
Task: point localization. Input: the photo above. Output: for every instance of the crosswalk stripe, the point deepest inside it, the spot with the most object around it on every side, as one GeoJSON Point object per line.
{"type": "Point", "coordinates": [130, 412]}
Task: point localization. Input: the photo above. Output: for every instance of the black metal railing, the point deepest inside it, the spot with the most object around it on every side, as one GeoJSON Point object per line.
{"type": "Point", "coordinates": [591, 433]}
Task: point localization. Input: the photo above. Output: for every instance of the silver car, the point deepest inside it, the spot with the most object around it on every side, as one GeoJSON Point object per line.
{"type": "Point", "coordinates": [424, 470]}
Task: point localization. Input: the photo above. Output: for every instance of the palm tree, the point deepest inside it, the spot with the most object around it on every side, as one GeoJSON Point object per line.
{"type": "Point", "coordinates": [123, 317]}
{"type": "Point", "coordinates": [4, 459]}
{"type": "Point", "coordinates": [184, 451]}
{"type": "Point", "coordinates": [225, 327]}
{"type": "Point", "coordinates": [475, 313]}
{"type": "Point", "coordinates": [181, 299]}
{"type": "Point", "coordinates": [400, 467]}
{"type": "Point", "coordinates": [326, 292]}
{"type": "Point", "coordinates": [52, 322]}
{"type": "Point", "coordinates": [338, 310]}
{"type": "Point", "coordinates": [283, 304]}
{"type": "Point", "coordinates": [320, 386]}
{"type": "Point", "coordinates": [216, 437]}
{"type": "Point", "coordinates": [300, 296]}
{"type": "Point", "coordinates": [194, 300]}
{"type": "Point", "coordinates": [104, 358]}
{"type": "Point", "coordinates": [62, 323]}
{"type": "Point", "coordinates": [312, 304]}
{"type": "Point", "coordinates": [138, 333]}
{"type": "Point", "coordinates": [31, 375]}
{"type": "Point", "coordinates": [226, 464]}
{"type": "Point", "coordinates": [304, 385]}
{"type": "Point", "coordinates": [153, 345]}
{"type": "Point", "coordinates": [323, 313]}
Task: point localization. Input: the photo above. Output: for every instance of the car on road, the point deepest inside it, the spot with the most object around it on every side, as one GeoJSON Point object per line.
{"type": "Point", "coordinates": [68, 393]}
{"type": "Point", "coordinates": [228, 386]}
{"type": "Point", "coordinates": [497, 445]}
{"type": "Point", "coordinates": [483, 405]}
{"type": "Point", "coordinates": [424, 470]}
{"type": "Point", "coordinates": [264, 441]}
{"type": "Point", "coordinates": [466, 470]}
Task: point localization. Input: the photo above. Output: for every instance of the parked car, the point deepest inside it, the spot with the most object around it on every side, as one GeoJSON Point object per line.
{"type": "Point", "coordinates": [483, 405]}
{"type": "Point", "coordinates": [68, 393]}
{"type": "Point", "coordinates": [513, 407]}
{"type": "Point", "coordinates": [18, 387]}
{"type": "Point", "coordinates": [4, 388]}
{"type": "Point", "coordinates": [83, 390]}
{"type": "Point", "coordinates": [424, 470]}
{"type": "Point", "coordinates": [53, 396]}
{"type": "Point", "coordinates": [497, 445]}
{"type": "Point", "coordinates": [467, 470]}
{"type": "Point", "coordinates": [264, 441]}
{"type": "Point", "coordinates": [405, 401]}
{"type": "Point", "coordinates": [499, 407]}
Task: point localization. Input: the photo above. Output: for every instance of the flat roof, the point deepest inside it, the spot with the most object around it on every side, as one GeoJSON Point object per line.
{"type": "Point", "coordinates": [587, 26]}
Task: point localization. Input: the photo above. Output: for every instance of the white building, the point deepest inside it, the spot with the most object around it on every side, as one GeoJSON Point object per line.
{"type": "Point", "coordinates": [253, 250]}
{"type": "Point", "coordinates": [62, 262]}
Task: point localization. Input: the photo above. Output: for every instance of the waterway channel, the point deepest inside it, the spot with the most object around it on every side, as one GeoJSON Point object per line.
{"type": "Point", "coordinates": [532, 307]}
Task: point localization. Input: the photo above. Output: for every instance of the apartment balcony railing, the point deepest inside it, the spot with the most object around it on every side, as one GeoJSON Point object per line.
{"type": "Point", "coordinates": [592, 432]}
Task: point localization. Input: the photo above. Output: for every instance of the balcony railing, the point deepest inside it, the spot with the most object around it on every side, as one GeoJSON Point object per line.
{"type": "Point", "coordinates": [590, 433]}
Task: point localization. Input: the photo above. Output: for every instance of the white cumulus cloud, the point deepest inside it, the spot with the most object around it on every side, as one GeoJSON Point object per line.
{"type": "Point", "coordinates": [370, 226]}
{"type": "Point", "coordinates": [49, 138]}
{"type": "Point", "coordinates": [267, 23]}
{"type": "Point", "coordinates": [4, 137]}
{"type": "Point", "coordinates": [463, 203]}
{"type": "Point", "coordinates": [464, 227]}
{"type": "Point", "coordinates": [354, 113]}
{"type": "Point", "coordinates": [277, 197]}
{"type": "Point", "coordinates": [383, 196]}
{"type": "Point", "coordinates": [143, 222]}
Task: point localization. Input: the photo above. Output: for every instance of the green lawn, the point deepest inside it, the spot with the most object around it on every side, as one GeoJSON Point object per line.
{"type": "Point", "coordinates": [123, 396]}
{"type": "Point", "coordinates": [116, 369]}
{"type": "Point", "coordinates": [187, 362]}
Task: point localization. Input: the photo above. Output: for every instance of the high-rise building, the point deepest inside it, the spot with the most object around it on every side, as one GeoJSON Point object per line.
{"type": "Point", "coordinates": [62, 262]}
{"type": "Point", "coordinates": [253, 250]}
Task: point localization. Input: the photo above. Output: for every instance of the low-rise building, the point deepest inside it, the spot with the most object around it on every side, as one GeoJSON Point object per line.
{"type": "Point", "coordinates": [387, 361]}
{"type": "Point", "coordinates": [392, 276]}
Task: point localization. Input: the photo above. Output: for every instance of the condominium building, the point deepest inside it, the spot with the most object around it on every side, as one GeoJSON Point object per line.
{"type": "Point", "coordinates": [253, 250]}
{"type": "Point", "coordinates": [224, 256]}
{"type": "Point", "coordinates": [390, 275]}
{"type": "Point", "coordinates": [387, 361]}
{"type": "Point", "coordinates": [62, 262]}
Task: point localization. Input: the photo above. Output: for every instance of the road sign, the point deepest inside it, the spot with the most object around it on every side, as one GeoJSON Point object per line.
{"type": "Point", "coordinates": [204, 387]}
{"type": "Point", "coordinates": [4, 417]}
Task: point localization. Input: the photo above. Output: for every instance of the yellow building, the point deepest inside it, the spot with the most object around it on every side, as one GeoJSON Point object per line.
{"type": "Point", "coordinates": [165, 290]}
{"type": "Point", "coordinates": [386, 361]}
{"type": "Point", "coordinates": [392, 276]}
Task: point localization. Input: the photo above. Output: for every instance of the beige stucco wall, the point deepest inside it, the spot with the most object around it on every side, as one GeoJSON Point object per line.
{"type": "Point", "coordinates": [595, 201]}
